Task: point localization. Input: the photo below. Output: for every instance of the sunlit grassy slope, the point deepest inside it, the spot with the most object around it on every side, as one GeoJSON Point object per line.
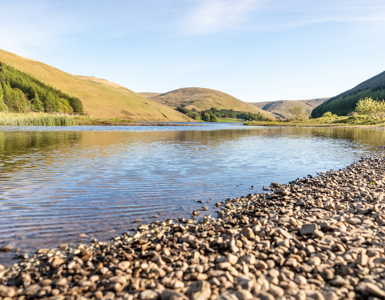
{"type": "Point", "coordinates": [203, 99]}
{"type": "Point", "coordinates": [281, 108]}
{"type": "Point", "coordinates": [100, 97]}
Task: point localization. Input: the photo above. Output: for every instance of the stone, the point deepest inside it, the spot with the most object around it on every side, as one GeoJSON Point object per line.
{"type": "Point", "coordinates": [373, 289]}
{"type": "Point", "coordinates": [232, 259]}
{"type": "Point", "coordinates": [6, 248]}
{"type": "Point", "coordinates": [6, 291]}
{"type": "Point", "coordinates": [248, 233]}
{"type": "Point", "coordinates": [124, 265]}
{"type": "Point", "coordinates": [57, 262]}
{"type": "Point", "coordinates": [308, 229]}
{"type": "Point", "coordinates": [172, 295]}
{"type": "Point", "coordinates": [61, 281]}
{"type": "Point", "coordinates": [148, 295]}
{"type": "Point", "coordinates": [276, 291]}
{"type": "Point", "coordinates": [200, 290]}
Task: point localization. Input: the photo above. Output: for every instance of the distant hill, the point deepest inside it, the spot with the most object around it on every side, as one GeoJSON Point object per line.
{"type": "Point", "coordinates": [204, 99]}
{"type": "Point", "coordinates": [100, 97]}
{"type": "Point", "coordinates": [149, 95]}
{"type": "Point", "coordinates": [344, 103]}
{"type": "Point", "coordinates": [281, 108]}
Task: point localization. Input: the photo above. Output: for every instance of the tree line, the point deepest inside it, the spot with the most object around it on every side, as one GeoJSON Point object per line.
{"type": "Point", "coordinates": [346, 102]}
{"type": "Point", "coordinates": [22, 93]}
{"type": "Point", "coordinates": [213, 114]}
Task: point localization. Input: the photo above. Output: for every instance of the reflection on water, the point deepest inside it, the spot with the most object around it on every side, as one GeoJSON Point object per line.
{"type": "Point", "coordinates": [70, 186]}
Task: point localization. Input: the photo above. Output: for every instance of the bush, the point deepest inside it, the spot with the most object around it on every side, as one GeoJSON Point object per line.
{"type": "Point", "coordinates": [328, 114]}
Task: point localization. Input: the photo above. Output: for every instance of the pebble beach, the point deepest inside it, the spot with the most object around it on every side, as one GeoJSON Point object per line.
{"type": "Point", "coordinates": [318, 237]}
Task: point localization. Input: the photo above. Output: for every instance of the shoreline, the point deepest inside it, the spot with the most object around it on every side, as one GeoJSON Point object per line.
{"type": "Point", "coordinates": [319, 126]}
{"type": "Point", "coordinates": [319, 237]}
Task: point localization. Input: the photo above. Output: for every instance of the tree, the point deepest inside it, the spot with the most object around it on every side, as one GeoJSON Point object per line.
{"type": "Point", "coordinates": [297, 111]}
{"type": "Point", "coordinates": [213, 118]}
{"type": "Point", "coordinates": [206, 117]}
{"type": "Point", "coordinates": [36, 104]}
{"type": "Point", "coordinates": [3, 107]}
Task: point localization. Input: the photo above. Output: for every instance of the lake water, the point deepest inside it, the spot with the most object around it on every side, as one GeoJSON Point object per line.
{"type": "Point", "coordinates": [62, 185]}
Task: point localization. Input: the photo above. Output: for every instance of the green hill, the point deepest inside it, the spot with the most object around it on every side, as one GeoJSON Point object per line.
{"type": "Point", "coordinates": [205, 99]}
{"type": "Point", "coordinates": [281, 108]}
{"type": "Point", "coordinates": [344, 103]}
{"type": "Point", "coordinates": [100, 97]}
{"type": "Point", "coordinates": [22, 93]}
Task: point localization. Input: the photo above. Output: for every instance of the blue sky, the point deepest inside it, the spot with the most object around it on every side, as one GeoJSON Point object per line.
{"type": "Point", "coordinates": [255, 50]}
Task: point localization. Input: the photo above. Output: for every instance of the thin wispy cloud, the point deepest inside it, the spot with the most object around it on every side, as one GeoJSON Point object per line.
{"type": "Point", "coordinates": [212, 16]}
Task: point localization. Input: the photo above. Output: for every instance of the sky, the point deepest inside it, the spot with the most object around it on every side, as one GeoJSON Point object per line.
{"type": "Point", "coordinates": [254, 50]}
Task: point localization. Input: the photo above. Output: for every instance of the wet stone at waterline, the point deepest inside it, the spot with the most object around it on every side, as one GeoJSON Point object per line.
{"type": "Point", "coordinates": [315, 238]}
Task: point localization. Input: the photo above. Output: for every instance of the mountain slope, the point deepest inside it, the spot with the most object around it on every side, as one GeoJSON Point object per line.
{"type": "Point", "coordinates": [345, 102]}
{"type": "Point", "coordinates": [100, 97]}
{"type": "Point", "coordinates": [204, 99]}
{"type": "Point", "coordinates": [281, 108]}
{"type": "Point", "coordinates": [149, 95]}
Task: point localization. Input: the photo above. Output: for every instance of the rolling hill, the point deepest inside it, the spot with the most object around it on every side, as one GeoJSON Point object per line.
{"type": "Point", "coordinates": [345, 102]}
{"type": "Point", "coordinates": [281, 108]}
{"type": "Point", "coordinates": [100, 97]}
{"type": "Point", "coordinates": [204, 99]}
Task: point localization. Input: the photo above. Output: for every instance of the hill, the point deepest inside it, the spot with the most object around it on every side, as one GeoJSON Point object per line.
{"type": "Point", "coordinates": [22, 93]}
{"type": "Point", "coordinates": [100, 97]}
{"type": "Point", "coordinates": [205, 99]}
{"type": "Point", "coordinates": [149, 95]}
{"type": "Point", "coordinates": [281, 108]}
{"type": "Point", "coordinates": [345, 102]}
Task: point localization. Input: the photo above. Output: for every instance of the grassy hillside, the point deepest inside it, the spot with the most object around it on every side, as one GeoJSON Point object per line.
{"type": "Point", "coordinates": [100, 98]}
{"type": "Point", "coordinates": [281, 108]}
{"type": "Point", "coordinates": [344, 103]}
{"type": "Point", "coordinates": [149, 95]}
{"type": "Point", "coordinates": [22, 93]}
{"type": "Point", "coordinates": [205, 99]}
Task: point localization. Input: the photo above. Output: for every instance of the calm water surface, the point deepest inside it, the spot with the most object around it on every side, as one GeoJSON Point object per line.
{"type": "Point", "coordinates": [63, 185]}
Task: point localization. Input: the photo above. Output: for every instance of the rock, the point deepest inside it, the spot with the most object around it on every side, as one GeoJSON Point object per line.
{"type": "Point", "coordinates": [57, 262]}
{"type": "Point", "coordinates": [248, 233]}
{"type": "Point", "coordinates": [248, 259]}
{"type": "Point", "coordinates": [261, 265]}
{"type": "Point", "coordinates": [276, 291]}
{"type": "Point", "coordinates": [172, 295]}
{"type": "Point", "coordinates": [61, 281]}
{"type": "Point", "coordinates": [227, 295]}
{"type": "Point", "coordinates": [6, 291]}
{"type": "Point", "coordinates": [373, 289]}
{"type": "Point", "coordinates": [124, 265]}
{"type": "Point", "coordinates": [200, 290]}
{"type": "Point", "coordinates": [244, 295]}
{"type": "Point", "coordinates": [330, 295]}
{"type": "Point", "coordinates": [308, 229]}
{"type": "Point", "coordinates": [32, 290]}
{"type": "Point", "coordinates": [232, 259]}
{"type": "Point", "coordinates": [6, 248]}
{"type": "Point", "coordinates": [148, 295]}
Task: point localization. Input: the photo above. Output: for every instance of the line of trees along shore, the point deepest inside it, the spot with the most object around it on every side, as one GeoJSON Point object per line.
{"type": "Point", "coordinates": [22, 93]}
{"type": "Point", "coordinates": [212, 115]}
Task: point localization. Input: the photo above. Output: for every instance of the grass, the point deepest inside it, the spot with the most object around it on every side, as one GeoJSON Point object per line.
{"type": "Point", "coordinates": [43, 119]}
{"type": "Point", "coordinates": [229, 120]}
{"type": "Point", "coordinates": [36, 119]}
{"type": "Point", "coordinates": [342, 121]}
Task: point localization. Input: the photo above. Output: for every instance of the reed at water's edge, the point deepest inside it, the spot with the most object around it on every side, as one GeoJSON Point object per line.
{"type": "Point", "coordinates": [36, 119]}
{"type": "Point", "coordinates": [44, 119]}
